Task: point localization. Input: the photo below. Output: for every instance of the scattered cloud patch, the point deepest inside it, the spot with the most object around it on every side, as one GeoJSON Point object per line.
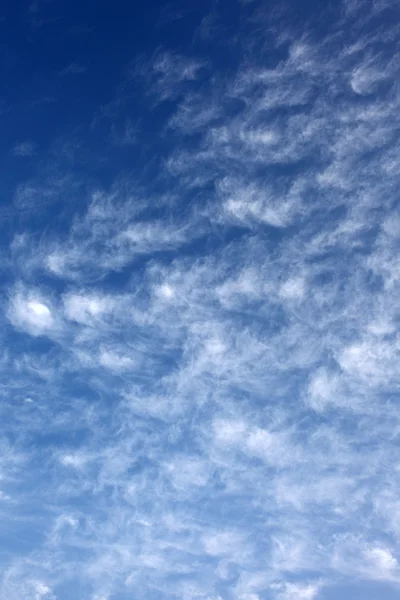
{"type": "Point", "coordinates": [24, 149]}
{"type": "Point", "coordinates": [29, 312]}
{"type": "Point", "coordinates": [74, 69]}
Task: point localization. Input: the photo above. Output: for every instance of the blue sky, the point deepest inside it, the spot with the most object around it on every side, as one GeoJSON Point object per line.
{"type": "Point", "coordinates": [200, 282]}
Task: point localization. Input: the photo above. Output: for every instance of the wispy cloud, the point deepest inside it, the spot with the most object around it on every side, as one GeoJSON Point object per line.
{"type": "Point", "coordinates": [24, 149]}
{"type": "Point", "coordinates": [200, 356]}
{"type": "Point", "coordinates": [74, 69]}
{"type": "Point", "coordinates": [31, 312]}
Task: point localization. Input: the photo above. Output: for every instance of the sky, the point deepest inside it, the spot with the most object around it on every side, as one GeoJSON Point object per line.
{"type": "Point", "coordinates": [199, 300]}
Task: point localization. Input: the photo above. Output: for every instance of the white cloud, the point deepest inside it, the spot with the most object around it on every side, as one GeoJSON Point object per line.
{"type": "Point", "coordinates": [169, 71]}
{"type": "Point", "coordinates": [111, 236]}
{"type": "Point", "coordinates": [293, 288]}
{"type": "Point", "coordinates": [295, 591]}
{"type": "Point", "coordinates": [88, 308]}
{"type": "Point", "coordinates": [213, 413]}
{"type": "Point", "coordinates": [24, 149]}
{"type": "Point", "coordinates": [188, 472]}
{"type": "Point", "coordinates": [116, 361]}
{"type": "Point", "coordinates": [30, 312]}
{"type": "Point", "coordinates": [42, 590]}
{"type": "Point", "coordinates": [230, 432]}
{"type": "Point", "coordinates": [382, 560]}
{"type": "Point", "coordinates": [371, 561]}
{"type": "Point", "coordinates": [73, 461]}
{"type": "Point", "coordinates": [373, 361]}
{"type": "Point", "coordinates": [323, 390]}
{"type": "Point", "coordinates": [74, 69]}
{"type": "Point", "coordinates": [222, 543]}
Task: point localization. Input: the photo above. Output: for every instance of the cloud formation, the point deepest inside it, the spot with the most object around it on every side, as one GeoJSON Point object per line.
{"type": "Point", "coordinates": [200, 352]}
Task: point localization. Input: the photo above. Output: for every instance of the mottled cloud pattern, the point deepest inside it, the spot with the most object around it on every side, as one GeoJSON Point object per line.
{"type": "Point", "coordinates": [200, 338]}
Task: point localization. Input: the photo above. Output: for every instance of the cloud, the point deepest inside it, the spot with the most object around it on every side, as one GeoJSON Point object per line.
{"type": "Point", "coordinates": [116, 362]}
{"type": "Point", "coordinates": [24, 149]}
{"type": "Point", "coordinates": [293, 591]}
{"type": "Point", "coordinates": [200, 355]}
{"type": "Point", "coordinates": [113, 233]}
{"type": "Point", "coordinates": [74, 69]}
{"type": "Point", "coordinates": [128, 135]}
{"type": "Point", "coordinates": [34, 195]}
{"type": "Point", "coordinates": [29, 312]}
{"type": "Point", "coordinates": [170, 72]}
{"type": "Point", "coordinates": [42, 590]}
{"type": "Point", "coordinates": [87, 308]}
{"type": "Point", "coordinates": [377, 562]}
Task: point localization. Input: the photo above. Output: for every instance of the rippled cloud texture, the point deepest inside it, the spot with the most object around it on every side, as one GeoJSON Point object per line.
{"type": "Point", "coordinates": [200, 242]}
